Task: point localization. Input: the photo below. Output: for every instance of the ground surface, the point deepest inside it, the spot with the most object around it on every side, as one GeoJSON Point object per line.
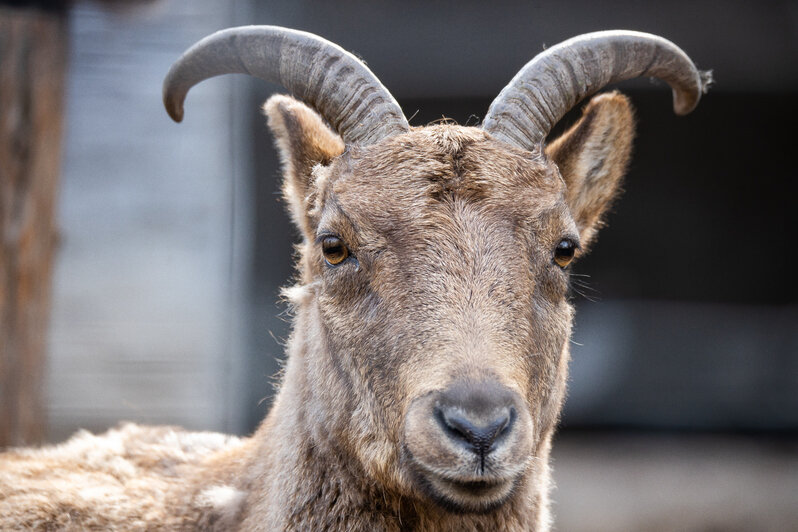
{"type": "Point", "coordinates": [675, 483]}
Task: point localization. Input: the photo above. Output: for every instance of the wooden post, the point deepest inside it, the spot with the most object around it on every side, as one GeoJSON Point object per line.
{"type": "Point", "coordinates": [32, 65]}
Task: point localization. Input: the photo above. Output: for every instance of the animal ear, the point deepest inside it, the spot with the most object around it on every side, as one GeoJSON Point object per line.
{"type": "Point", "coordinates": [304, 141]}
{"type": "Point", "coordinates": [592, 157]}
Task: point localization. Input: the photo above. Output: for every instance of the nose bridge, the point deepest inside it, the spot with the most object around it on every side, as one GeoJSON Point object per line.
{"type": "Point", "coordinates": [492, 292]}
{"type": "Point", "coordinates": [477, 356]}
{"type": "Point", "coordinates": [484, 338]}
{"type": "Point", "coordinates": [471, 343]}
{"type": "Point", "coordinates": [473, 291]}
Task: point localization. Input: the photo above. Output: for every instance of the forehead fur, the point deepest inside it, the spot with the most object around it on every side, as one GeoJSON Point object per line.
{"type": "Point", "coordinates": [441, 163]}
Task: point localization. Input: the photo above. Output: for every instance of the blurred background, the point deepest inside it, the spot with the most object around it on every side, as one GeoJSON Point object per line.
{"type": "Point", "coordinates": [169, 243]}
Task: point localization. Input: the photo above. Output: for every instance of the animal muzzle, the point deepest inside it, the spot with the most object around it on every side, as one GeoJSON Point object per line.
{"type": "Point", "coordinates": [468, 445]}
{"type": "Point", "coordinates": [477, 418]}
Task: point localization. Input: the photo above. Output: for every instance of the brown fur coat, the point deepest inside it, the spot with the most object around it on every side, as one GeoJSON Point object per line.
{"type": "Point", "coordinates": [126, 479]}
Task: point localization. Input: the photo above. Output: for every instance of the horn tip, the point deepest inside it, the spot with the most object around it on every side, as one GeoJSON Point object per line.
{"type": "Point", "coordinates": [685, 103]}
{"type": "Point", "coordinates": [683, 108]}
{"type": "Point", "coordinates": [177, 115]}
{"type": "Point", "coordinates": [174, 109]}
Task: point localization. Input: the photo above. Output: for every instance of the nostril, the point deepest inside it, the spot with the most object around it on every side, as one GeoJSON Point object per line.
{"type": "Point", "coordinates": [456, 425]}
{"type": "Point", "coordinates": [480, 433]}
{"type": "Point", "coordinates": [508, 424]}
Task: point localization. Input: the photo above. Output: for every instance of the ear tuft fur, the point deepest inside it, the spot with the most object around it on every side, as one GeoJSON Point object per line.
{"type": "Point", "coordinates": [592, 157]}
{"type": "Point", "coordinates": [304, 141]}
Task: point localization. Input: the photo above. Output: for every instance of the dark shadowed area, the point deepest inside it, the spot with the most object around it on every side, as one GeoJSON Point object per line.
{"type": "Point", "coordinates": [683, 404]}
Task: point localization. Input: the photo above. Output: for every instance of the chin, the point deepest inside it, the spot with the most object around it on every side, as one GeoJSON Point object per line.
{"type": "Point", "coordinates": [461, 493]}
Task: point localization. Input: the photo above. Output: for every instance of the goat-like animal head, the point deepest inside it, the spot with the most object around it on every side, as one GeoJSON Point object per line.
{"type": "Point", "coordinates": [433, 315]}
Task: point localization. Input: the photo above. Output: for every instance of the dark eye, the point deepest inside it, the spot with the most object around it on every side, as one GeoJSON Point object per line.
{"type": "Point", "coordinates": [564, 253]}
{"type": "Point", "coordinates": [334, 249]}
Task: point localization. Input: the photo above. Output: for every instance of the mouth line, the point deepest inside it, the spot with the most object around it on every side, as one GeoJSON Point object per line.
{"type": "Point", "coordinates": [473, 485]}
{"type": "Point", "coordinates": [477, 477]}
{"type": "Point", "coordinates": [477, 496]}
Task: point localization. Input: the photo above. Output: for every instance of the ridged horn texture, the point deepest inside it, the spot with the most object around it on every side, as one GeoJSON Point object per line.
{"type": "Point", "coordinates": [323, 75]}
{"type": "Point", "coordinates": [557, 79]}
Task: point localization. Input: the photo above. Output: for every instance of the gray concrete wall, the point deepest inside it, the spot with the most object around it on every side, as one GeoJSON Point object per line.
{"type": "Point", "coordinates": [145, 304]}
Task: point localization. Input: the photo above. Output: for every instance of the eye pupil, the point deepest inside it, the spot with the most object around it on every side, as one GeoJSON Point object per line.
{"type": "Point", "coordinates": [334, 250]}
{"type": "Point", "coordinates": [564, 253]}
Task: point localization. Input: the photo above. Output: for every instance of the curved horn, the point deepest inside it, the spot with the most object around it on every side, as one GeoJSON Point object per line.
{"type": "Point", "coordinates": [337, 84]}
{"type": "Point", "coordinates": [554, 81]}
